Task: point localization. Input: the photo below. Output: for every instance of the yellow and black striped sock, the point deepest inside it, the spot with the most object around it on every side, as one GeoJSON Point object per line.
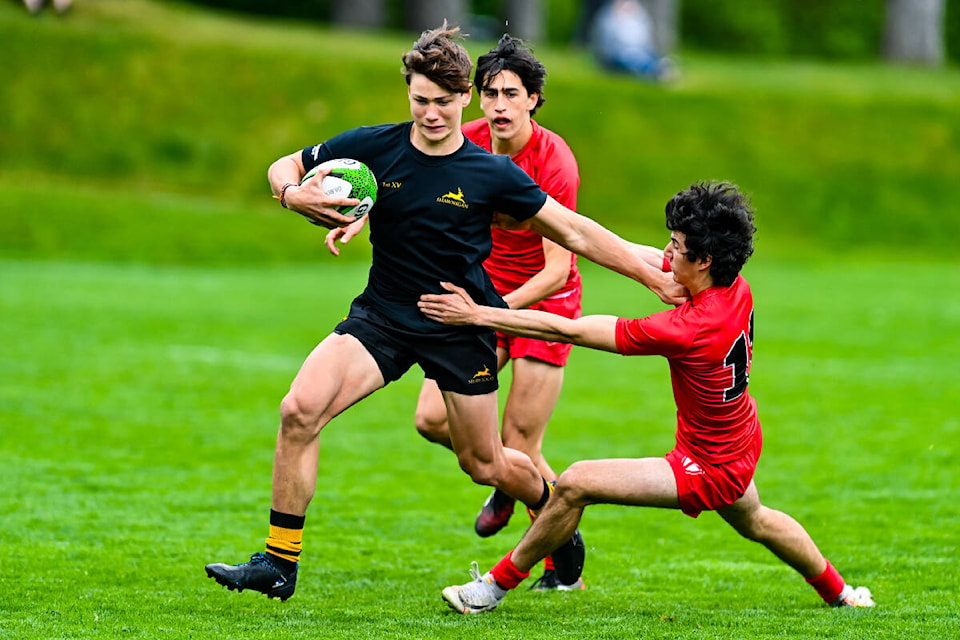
{"type": "Point", "coordinates": [286, 539]}
{"type": "Point", "coordinates": [534, 509]}
{"type": "Point", "coordinates": [548, 487]}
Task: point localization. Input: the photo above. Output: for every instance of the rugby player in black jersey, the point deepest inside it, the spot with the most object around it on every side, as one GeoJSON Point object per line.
{"type": "Point", "coordinates": [438, 195]}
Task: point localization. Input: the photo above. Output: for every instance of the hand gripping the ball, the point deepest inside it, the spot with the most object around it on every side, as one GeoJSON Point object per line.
{"type": "Point", "coordinates": [343, 185]}
{"type": "Point", "coordinates": [309, 200]}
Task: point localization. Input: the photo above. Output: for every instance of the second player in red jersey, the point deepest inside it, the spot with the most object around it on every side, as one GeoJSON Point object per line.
{"type": "Point", "coordinates": [526, 269]}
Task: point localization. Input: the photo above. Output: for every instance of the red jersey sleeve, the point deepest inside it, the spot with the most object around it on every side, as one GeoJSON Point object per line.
{"type": "Point", "coordinates": [662, 334]}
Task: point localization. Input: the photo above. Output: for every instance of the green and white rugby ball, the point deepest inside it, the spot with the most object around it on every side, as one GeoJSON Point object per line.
{"type": "Point", "coordinates": [348, 178]}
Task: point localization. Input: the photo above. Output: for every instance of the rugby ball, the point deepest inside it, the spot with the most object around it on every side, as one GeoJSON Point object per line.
{"type": "Point", "coordinates": [348, 178]}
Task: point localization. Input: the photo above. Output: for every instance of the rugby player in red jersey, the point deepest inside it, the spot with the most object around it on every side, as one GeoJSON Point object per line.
{"type": "Point", "coordinates": [708, 342]}
{"type": "Point", "coordinates": [527, 270]}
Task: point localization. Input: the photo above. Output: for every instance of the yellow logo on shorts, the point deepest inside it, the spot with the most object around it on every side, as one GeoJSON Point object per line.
{"type": "Point", "coordinates": [483, 373]}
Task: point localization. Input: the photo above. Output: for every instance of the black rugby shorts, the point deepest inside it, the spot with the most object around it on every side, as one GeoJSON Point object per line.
{"type": "Point", "coordinates": [464, 361]}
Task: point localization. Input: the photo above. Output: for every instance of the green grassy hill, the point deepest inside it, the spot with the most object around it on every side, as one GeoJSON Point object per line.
{"type": "Point", "coordinates": [141, 130]}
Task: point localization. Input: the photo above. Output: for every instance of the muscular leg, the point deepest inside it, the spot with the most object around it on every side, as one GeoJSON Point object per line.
{"type": "Point", "coordinates": [431, 414]}
{"type": "Point", "coordinates": [775, 530]}
{"type": "Point", "coordinates": [644, 482]}
{"type": "Point", "coordinates": [481, 454]}
{"type": "Point", "coordinates": [337, 374]}
{"type": "Point", "coordinates": [534, 391]}
{"type": "Point", "coordinates": [533, 395]}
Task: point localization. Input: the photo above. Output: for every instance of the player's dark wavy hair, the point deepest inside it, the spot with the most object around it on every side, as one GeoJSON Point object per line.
{"type": "Point", "coordinates": [717, 220]}
{"type": "Point", "coordinates": [512, 54]}
{"type": "Point", "coordinates": [438, 56]}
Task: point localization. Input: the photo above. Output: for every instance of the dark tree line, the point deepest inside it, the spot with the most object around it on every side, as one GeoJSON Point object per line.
{"type": "Point", "coordinates": [910, 31]}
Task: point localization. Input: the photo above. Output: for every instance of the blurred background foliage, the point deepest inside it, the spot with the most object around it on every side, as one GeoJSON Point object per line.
{"type": "Point", "coordinates": [141, 130]}
{"type": "Point", "coordinates": [828, 29]}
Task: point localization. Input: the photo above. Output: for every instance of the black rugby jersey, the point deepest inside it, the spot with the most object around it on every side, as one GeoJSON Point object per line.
{"type": "Point", "coordinates": [431, 221]}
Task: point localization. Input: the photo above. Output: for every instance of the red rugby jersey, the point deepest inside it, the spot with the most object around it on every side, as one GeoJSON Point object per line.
{"type": "Point", "coordinates": [518, 255]}
{"type": "Point", "coordinates": [708, 342]}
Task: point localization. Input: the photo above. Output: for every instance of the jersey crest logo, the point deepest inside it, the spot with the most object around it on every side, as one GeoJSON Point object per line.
{"type": "Point", "coordinates": [455, 199]}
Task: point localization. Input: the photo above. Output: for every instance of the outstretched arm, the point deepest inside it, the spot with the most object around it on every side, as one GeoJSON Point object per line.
{"type": "Point", "coordinates": [589, 239]}
{"type": "Point", "coordinates": [458, 308]}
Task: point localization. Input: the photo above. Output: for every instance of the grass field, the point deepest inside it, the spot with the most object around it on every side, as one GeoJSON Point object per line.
{"type": "Point", "coordinates": [139, 412]}
{"type": "Point", "coordinates": [155, 304]}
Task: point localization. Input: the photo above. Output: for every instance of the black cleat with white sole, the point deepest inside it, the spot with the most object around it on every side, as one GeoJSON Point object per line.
{"type": "Point", "coordinates": [260, 574]}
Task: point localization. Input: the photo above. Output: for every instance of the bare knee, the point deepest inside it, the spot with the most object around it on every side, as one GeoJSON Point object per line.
{"type": "Point", "coordinates": [569, 487]}
{"type": "Point", "coordinates": [297, 421]}
{"type": "Point", "coordinates": [432, 426]}
{"type": "Point", "coordinates": [480, 471]}
{"type": "Point", "coordinates": [526, 438]}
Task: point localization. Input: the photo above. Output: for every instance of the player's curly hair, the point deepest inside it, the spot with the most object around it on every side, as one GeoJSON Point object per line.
{"type": "Point", "coordinates": [512, 54]}
{"type": "Point", "coordinates": [438, 56]}
{"type": "Point", "coordinates": [717, 220]}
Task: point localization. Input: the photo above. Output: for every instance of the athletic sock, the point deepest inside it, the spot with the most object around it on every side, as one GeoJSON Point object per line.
{"type": "Point", "coordinates": [286, 539]}
{"type": "Point", "coordinates": [535, 508]}
{"type": "Point", "coordinates": [828, 584]}
{"type": "Point", "coordinates": [506, 574]}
